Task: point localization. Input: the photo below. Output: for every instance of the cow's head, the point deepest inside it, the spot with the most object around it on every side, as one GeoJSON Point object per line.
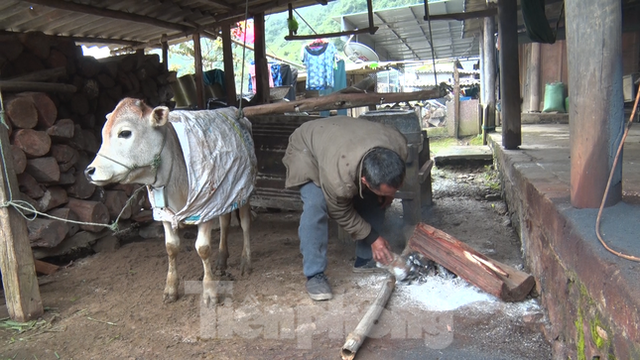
{"type": "Point", "coordinates": [132, 138]}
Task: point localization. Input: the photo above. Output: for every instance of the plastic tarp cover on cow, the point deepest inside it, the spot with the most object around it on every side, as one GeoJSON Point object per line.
{"type": "Point", "coordinates": [221, 164]}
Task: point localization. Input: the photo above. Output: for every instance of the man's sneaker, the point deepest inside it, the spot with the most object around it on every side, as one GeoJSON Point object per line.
{"type": "Point", "coordinates": [318, 287]}
{"type": "Point", "coordinates": [369, 266]}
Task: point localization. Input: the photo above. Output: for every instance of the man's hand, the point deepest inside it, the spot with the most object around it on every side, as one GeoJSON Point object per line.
{"type": "Point", "coordinates": [385, 201]}
{"type": "Point", "coordinates": [381, 252]}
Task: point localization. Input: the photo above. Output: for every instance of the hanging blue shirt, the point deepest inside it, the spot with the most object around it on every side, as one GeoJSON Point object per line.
{"type": "Point", "coordinates": [319, 61]}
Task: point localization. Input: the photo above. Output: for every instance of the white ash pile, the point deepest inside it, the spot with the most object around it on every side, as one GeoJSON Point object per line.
{"type": "Point", "coordinates": [422, 269]}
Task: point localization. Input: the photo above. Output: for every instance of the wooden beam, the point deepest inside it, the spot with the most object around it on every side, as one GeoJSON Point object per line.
{"type": "Point", "coordinates": [113, 14]}
{"type": "Point", "coordinates": [197, 49]}
{"type": "Point", "coordinates": [220, 3]}
{"type": "Point", "coordinates": [456, 101]}
{"type": "Point", "coordinates": [17, 86]}
{"type": "Point", "coordinates": [42, 75]}
{"type": "Point", "coordinates": [510, 75]}
{"type": "Point", "coordinates": [261, 63]}
{"type": "Point", "coordinates": [332, 35]}
{"type": "Point", "coordinates": [16, 259]}
{"type": "Point", "coordinates": [165, 52]}
{"type": "Point", "coordinates": [340, 100]}
{"type": "Point", "coordinates": [229, 76]}
{"type": "Point", "coordinates": [492, 11]}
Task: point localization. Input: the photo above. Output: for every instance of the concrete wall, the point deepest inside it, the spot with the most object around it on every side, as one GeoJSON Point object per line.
{"type": "Point", "coordinates": [592, 313]}
{"type": "Point", "coordinates": [469, 118]}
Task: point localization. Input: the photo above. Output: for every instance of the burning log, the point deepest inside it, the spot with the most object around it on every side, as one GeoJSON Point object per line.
{"type": "Point", "coordinates": [501, 280]}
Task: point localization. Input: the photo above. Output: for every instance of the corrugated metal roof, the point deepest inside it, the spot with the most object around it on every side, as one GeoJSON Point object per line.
{"type": "Point", "coordinates": [129, 22]}
{"type": "Point", "coordinates": [473, 27]}
{"type": "Point", "coordinates": [403, 33]}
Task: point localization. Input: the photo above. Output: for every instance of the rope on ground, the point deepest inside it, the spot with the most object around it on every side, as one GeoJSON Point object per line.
{"type": "Point", "coordinates": [606, 189]}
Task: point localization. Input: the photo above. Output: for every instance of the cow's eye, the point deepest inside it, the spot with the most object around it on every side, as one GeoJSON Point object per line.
{"type": "Point", "coordinates": [124, 134]}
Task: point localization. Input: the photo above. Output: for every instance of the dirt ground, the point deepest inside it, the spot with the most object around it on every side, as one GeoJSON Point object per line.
{"type": "Point", "coordinates": [109, 305]}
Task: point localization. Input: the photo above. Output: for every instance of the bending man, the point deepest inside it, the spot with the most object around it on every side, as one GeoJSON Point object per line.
{"type": "Point", "coordinates": [349, 170]}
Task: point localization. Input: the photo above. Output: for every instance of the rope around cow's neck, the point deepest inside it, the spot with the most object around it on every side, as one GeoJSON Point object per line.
{"type": "Point", "coordinates": [154, 164]}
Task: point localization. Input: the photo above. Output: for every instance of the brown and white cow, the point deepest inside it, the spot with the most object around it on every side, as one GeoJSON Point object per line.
{"type": "Point", "coordinates": [147, 146]}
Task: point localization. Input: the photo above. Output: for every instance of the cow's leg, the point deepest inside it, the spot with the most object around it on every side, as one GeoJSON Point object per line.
{"type": "Point", "coordinates": [203, 246]}
{"type": "Point", "coordinates": [172, 243]}
{"type": "Point", "coordinates": [245, 223]}
{"type": "Point", "coordinates": [223, 251]}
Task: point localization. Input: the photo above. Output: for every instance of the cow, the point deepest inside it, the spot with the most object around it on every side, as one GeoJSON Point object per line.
{"type": "Point", "coordinates": [197, 165]}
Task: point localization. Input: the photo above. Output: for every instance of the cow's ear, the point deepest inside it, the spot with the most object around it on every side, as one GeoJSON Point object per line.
{"type": "Point", "coordinates": [108, 116]}
{"type": "Point", "coordinates": [159, 116]}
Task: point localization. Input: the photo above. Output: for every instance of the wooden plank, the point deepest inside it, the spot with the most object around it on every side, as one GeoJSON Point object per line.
{"type": "Point", "coordinates": [198, 67]}
{"type": "Point", "coordinates": [261, 63]}
{"type": "Point", "coordinates": [229, 77]}
{"type": "Point", "coordinates": [501, 280]}
{"type": "Point", "coordinates": [19, 279]}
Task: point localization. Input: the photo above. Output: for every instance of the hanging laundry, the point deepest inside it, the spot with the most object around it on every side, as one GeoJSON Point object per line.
{"type": "Point", "coordinates": [319, 57]}
{"type": "Point", "coordinates": [252, 77]}
{"type": "Point", "coordinates": [339, 83]}
{"type": "Point", "coordinates": [276, 74]}
{"type": "Point", "coordinates": [289, 77]}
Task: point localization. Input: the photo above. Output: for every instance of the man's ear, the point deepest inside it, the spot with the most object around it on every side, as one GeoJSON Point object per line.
{"type": "Point", "coordinates": [159, 116]}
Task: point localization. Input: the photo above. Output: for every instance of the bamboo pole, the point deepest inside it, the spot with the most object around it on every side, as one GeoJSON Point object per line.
{"type": "Point", "coordinates": [357, 336]}
{"type": "Point", "coordinates": [341, 101]}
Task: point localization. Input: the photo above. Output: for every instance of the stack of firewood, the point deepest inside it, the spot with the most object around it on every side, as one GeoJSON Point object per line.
{"type": "Point", "coordinates": [55, 102]}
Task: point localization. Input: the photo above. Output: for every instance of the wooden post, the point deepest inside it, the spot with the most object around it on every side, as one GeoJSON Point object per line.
{"type": "Point", "coordinates": [198, 65]}
{"type": "Point", "coordinates": [456, 100]}
{"type": "Point", "coordinates": [229, 76]}
{"type": "Point", "coordinates": [534, 69]}
{"type": "Point", "coordinates": [260, 56]}
{"type": "Point", "coordinates": [489, 71]}
{"type": "Point", "coordinates": [596, 119]}
{"type": "Point", "coordinates": [165, 52]}
{"type": "Point", "coordinates": [16, 259]}
{"type": "Point", "coordinates": [509, 74]}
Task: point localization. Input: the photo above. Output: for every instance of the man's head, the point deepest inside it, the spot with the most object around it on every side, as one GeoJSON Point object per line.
{"type": "Point", "coordinates": [383, 171]}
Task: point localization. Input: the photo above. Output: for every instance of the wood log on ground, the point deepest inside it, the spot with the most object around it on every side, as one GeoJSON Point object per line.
{"type": "Point", "coordinates": [44, 169]}
{"type": "Point", "coordinates": [115, 200]}
{"type": "Point", "coordinates": [357, 336]}
{"type": "Point", "coordinates": [65, 155]}
{"type": "Point", "coordinates": [38, 43]}
{"type": "Point", "coordinates": [22, 112]}
{"type": "Point", "coordinates": [45, 268]}
{"type": "Point", "coordinates": [34, 143]}
{"type": "Point", "coordinates": [81, 188]}
{"type": "Point", "coordinates": [53, 197]}
{"type": "Point", "coordinates": [55, 60]}
{"type": "Point", "coordinates": [90, 212]}
{"type": "Point", "coordinates": [46, 232]}
{"type": "Point", "coordinates": [66, 214]}
{"type": "Point", "coordinates": [42, 75]}
{"type": "Point", "coordinates": [500, 280]}
{"type": "Point", "coordinates": [62, 129]}
{"type": "Point", "coordinates": [341, 101]}
{"type": "Point", "coordinates": [47, 110]}
{"type": "Point", "coordinates": [67, 177]}
{"type": "Point", "coordinates": [19, 86]}
{"type": "Point", "coordinates": [30, 186]}
{"type": "Point", "coordinates": [81, 240]}
{"type": "Point", "coordinates": [10, 47]}
{"type": "Point", "coordinates": [19, 159]}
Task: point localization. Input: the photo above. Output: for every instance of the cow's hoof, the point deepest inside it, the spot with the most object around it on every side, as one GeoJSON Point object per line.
{"type": "Point", "coordinates": [221, 265]}
{"type": "Point", "coordinates": [245, 266]}
{"type": "Point", "coordinates": [209, 294]}
{"type": "Point", "coordinates": [170, 297]}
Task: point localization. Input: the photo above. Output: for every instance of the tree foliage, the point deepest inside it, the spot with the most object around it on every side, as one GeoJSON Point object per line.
{"type": "Point", "coordinates": [316, 19]}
